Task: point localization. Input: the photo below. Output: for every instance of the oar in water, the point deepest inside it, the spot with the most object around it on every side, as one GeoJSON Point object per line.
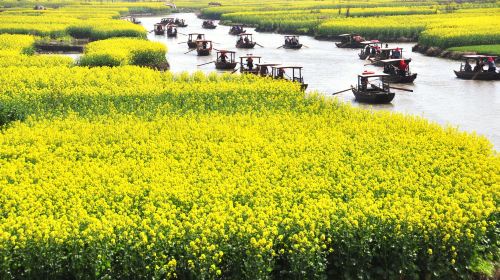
{"type": "Point", "coordinates": [335, 93]}
{"type": "Point", "coordinates": [403, 89]}
{"type": "Point", "coordinates": [189, 51]}
{"type": "Point", "coordinates": [182, 33]}
{"type": "Point", "coordinates": [305, 46]}
{"type": "Point", "coordinates": [182, 43]}
{"type": "Point", "coordinates": [205, 63]}
{"type": "Point", "coordinates": [259, 45]}
{"type": "Point", "coordinates": [235, 70]}
{"type": "Point", "coordinates": [279, 47]}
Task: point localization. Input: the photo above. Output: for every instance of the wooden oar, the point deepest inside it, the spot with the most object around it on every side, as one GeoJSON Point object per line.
{"type": "Point", "coordinates": [182, 33]}
{"type": "Point", "coordinates": [403, 89]}
{"type": "Point", "coordinates": [305, 46]}
{"type": "Point", "coordinates": [234, 71]}
{"type": "Point", "coordinates": [259, 45]}
{"type": "Point", "coordinates": [340, 91]}
{"type": "Point", "coordinates": [279, 47]}
{"type": "Point", "coordinates": [190, 51]}
{"type": "Point", "coordinates": [182, 43]}
{"type": "Point", "coordinates": [205, 63]}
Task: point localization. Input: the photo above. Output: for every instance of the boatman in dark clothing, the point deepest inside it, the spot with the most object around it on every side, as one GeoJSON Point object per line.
{"type": "Point", "coordinates": [250, 63]}
{"type": "Point", "coordinates": [223, 57]}
{"type": "Point", "coordinates": [491, 65]}
{"type": "Point", "coordinates": [364, 83]}
{"type": "Point", "coordinates": [281, 73]}
{"type": "Point", "coordinates": [467, 67]}
{"type": "Point", "coordinates": [199, 37]}
{"type": "Point", "coordinates": [247, 41]}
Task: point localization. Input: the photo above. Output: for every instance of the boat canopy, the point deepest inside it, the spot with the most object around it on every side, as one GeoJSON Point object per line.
{"type": "Point", "coordinates": [392, 61]}
{"type": "Point", "coordinates": [477, 56]}
{"type": "Point", "coordinates": [289, 67]}
{"type": "Point", "coordinates": [372, 75]}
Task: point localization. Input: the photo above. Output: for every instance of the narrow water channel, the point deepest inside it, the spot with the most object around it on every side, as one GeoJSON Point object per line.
{"type": "Point", "coordinates": [438, 95]}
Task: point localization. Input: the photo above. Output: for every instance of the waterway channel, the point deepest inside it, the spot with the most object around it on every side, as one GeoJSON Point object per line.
{"type": "Point", "coordinates": [438, 95]}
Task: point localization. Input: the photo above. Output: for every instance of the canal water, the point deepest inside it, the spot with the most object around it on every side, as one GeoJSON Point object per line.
{"type": "Point", "coordinates": [438, 95]}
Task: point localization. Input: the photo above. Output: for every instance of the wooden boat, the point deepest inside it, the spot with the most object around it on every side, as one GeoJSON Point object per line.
{"type": "Point", "coordinates": [386, 53]}
{"type": "Point", "coordinates": [203, 47]}
{"type": "Point", "coordinates": [208, 24]}
{"type": "Point", "coordinates": [245, 41]}
{"type": "Point", "coordinates": [249, 64]}
{"type": "Point", "coordinates": [236, 29]}
{"type": "Point", "coordinates": [225, 62]}
{"type": "Point", "coordinates": [350, 41]}
{"type": "Point", "coordinates": [479, 73]}
{"type": "Point", "coordinates": [398, 71]}
{"type": "Point", "coordinates": [180, 22]}
{"type": "Point", "coordinates": [159, 29]}
{"type": "Point", "coordinates": [292, 42]}
{"type": "Point", "coordinates": [171, 30]}
{"type": "Point", "coordinates": [192, 37]}
{"type": "Point", "coordinates": [265, 69]}
{"type": "Point", "coordinates": [368, 47]}
{"type": "Point", "coordinates": [166, 21]}
{"type": "Point", "coordinates": [482, 76]}
{"type": "Point", "coordinates": [279, 72]}
{"type": "Point", "coordinates": [367, 91]}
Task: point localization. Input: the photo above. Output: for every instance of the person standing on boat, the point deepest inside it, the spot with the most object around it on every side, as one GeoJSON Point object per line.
{"type": "Point", "coordinates": [364, 83]}
{"type": "Point", "coordinates": [223, 57]}
{"type": "Point", "coordinates": [396, 53]}
{"type": "Point", "coordinates": [281, 73]}
{"type": "Point", "coordinates": [250, 63]}
{"type": "Point", "coordinates": [491, 65]}
{"type": "Point", "coordinates": [402, 67]}
{"type": "Point", "coordinates": [199, 37]}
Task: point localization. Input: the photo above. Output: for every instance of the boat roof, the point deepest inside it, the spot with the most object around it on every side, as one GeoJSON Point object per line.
{"type": "Point", "coordinates": [245, 34]}
{"type": "Point", "coordinates": [348, 34]}
{"type": "Point", "coordinates": [225, 51]}
{"type": "Point", "coordinates": [253, 56]}
{"type": "Point", "coordinates": [372, 75]}
{"type": "Point", "coordinates": [478, 56]}
{"type": "Point", "coordinates": [267, 64]}
{"type": "Point", "coordinates": [291, 35]}
{"type": "Point", "coordinates": [407, 60]}
{"type": "Point", "coordinates": [172, 25]}
{"type": "Point", "coordinates": [370, 42]}
{"type": "Point", "coordinates": [390, 49]}
{"type": "Point", "coordinates": [196, 34]}
{"type": "Point", "coordinates": [204, 41]}
{"type": "Point", "coordinates": [283, 67]}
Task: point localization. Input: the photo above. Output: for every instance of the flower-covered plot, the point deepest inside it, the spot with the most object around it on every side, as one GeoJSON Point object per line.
{"type": "Point", "coordinates": [200, 177]}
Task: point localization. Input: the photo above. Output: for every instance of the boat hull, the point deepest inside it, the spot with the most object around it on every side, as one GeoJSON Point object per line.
{"type": "Point", "coordinates": [236, 32]}
{"type": "Point", "coordinates": [225, 65]}
{"type": "Point", "coordinates": [246, 45]}
{"type": "Point", "coordinates": [292, 47]}
{"type": "Point", "coordinates": [209, 26]}
{"type": "Point", "coordinates": [483, 76]}
{"type": "Point", "coordinates": [159, 32]}
{"type": "Point", "coordinates": [398, 79]}
{"type": "Point", "coordinates": [203, 52]}
{"type": "Point", "coordinates": [171, 35]}
{"type": "Point", "coordinates": [353, 45]}
{"type": "Point", "coordinates": [246, 71]}
{"type": "Point", "coordinates": [373, 97]}
{"type": "Point", "coordinates": [191, 45]}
